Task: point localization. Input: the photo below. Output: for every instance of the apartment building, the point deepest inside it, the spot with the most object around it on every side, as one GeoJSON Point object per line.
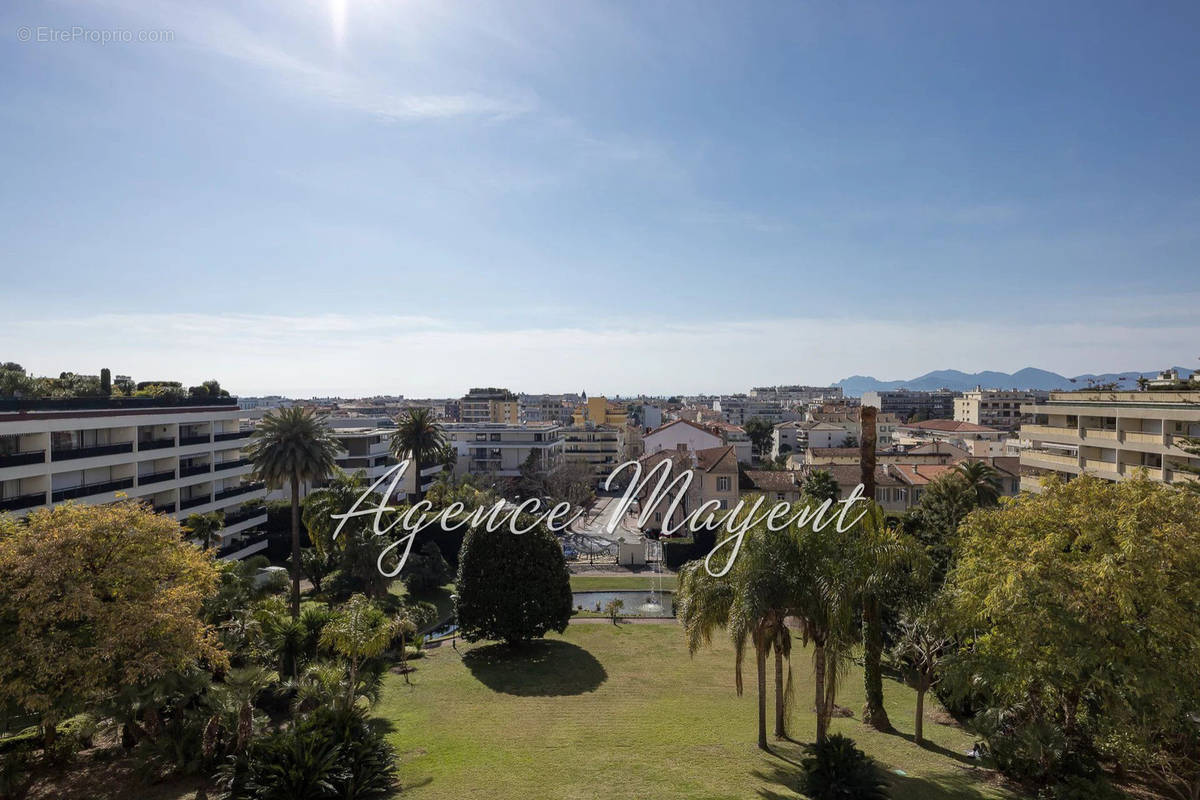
{"type": "Point", "coordinates": [908, 404]}
{"type": "Point", "coordinates": [714, 478]}
{"type": "Point", "coordinates": [543, 408]}
{"type": "Point", "coordinates": [500, 449]}
{"type": "Point", "coordinates": [489, 405]}
{"type": "Point", "coordinates": [601, 447]}
{"type": "Point", "coordinates": [600, 410]}
{"type": "Point", "coordinates": [997, 408]}
{"type": "Point", "coordinates": [789, 396]}
{"type": "Point", "coordinates": [1111, 435]}
{"type": "Point", "coordinates": [680, 435]}
{"type": "Point", "coordinates": [181, 457]}
{"type": "Point", "coordinates": [369, 450]}
{"type": "Point", "coordinates": [946, 430]}
{"type": "Point", "coordinates": [740, 409]}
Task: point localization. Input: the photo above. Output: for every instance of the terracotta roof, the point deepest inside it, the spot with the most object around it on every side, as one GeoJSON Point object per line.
{"type": "Point", "coordinates": [919, 474]}
{"type": "Point", "coordinates": [769, 480]}
{"type": "Point", "coordinates": [710, 458]}
{"type": "Point", "coordinates": [849, 475]}
{"type": "Point", "coordinates": [934, 448]}
{"type": "Point", "coordinates": [695, 425]}
{"type": "Point", "coordinates": [950, 426]}
{"type": "Point", "coordinates": [828, 452]}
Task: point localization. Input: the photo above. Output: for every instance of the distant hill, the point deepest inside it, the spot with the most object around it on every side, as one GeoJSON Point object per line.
{"type": "Point", "coordinates": [1028, 378]}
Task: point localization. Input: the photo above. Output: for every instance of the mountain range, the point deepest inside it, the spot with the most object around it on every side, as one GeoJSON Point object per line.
{"type": "Point", "coordinates": [1027, 378]}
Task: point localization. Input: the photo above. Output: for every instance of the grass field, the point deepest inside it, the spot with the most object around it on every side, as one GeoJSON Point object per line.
{"type": "Point", "coordinates": [615, 583]}
{"type": "Point", "coordinates": [625, 713]}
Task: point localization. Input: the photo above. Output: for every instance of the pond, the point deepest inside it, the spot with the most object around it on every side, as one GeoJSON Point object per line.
{"type": "Point", "coordinates": [639, 603]}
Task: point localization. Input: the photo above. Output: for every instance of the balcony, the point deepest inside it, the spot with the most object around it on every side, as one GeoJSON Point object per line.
{"type": "Point", "coordinates": [241, 515]}
{"type": "Point", "coordinates": [237, 490]}
{"type": "Point", "coordinates": [1138, 437]}
{"type": "Point", "coordinates": [194, 501]}
{"type": "Point", "coordinates": [186, 440]}
{"type": "Point", "coordinates": [229, 437]}
{"type": "Point", "coordinates": [1054, 458]}
{"type": "Point", "coordinates": [165, 508]}
{"type": "Point", "coordinates": [155, 444]}
{"type": "Point", "coordinates": [67, 454]}
{"type": "Point", "coordinates": [237, 462]}
{"type": "Point", "coordinates": [1053, 431]}
{"type": "Point", "coordinates": [21, 459]}
{"type": "Point", "coordinates": [1103, 467]}
{"type": "Point", "coordinates": [243, 546]}
{"type": "Point", "coordinates": [1099, 433]}
{"type": "Point", "coordinates": [199, 469]}
{"type": "Point", "coordinates": [156, 477]}
{"type": "Point", "coordinates": [22, 501]}
{"type": "Point", "coordinates": [91, 488]}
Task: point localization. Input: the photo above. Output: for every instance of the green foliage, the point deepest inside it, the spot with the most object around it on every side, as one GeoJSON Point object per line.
{"type": "Point", "coordinates": [1076, 610]}
{"type": "Point", "coordinates": [425, 570]}
{"type": "Point", "coordinates": [204, 528]}
{"type": "Point", "coordinates": [820, 485]}
{"type": "Point", "coordinates": [837, 770]}
{"type": "Point", "coordinates": [418, 436]}
{"type": "Point", "coordinates": [512, 588]}
{"type": "Point", "coordinates": [760, 432]}
{"type": "Point", "coordinates": [328, 756]}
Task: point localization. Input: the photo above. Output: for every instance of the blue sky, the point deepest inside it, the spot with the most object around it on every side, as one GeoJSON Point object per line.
{"type": "Point", "coordinates": [417, 197]}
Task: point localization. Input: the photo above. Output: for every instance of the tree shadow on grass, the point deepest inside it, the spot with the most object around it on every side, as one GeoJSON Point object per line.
{"type": "Point", "coordinates": [946, 786]}
{"type": "Point", "coordinates": [961, 758]}
{"type": "Point", "coordinates": [787, 779]}
{"type": "Point", "coordinates": [541, 668]}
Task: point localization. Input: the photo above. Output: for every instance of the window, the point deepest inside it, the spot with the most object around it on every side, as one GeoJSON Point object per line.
{"type": "Point", "coordinates": [481, 437]}
{"type": "Point", "coordinates": [722, 484]}
{"type": "Point", "coordinates": [495, 437]}
{"type": "Point", "coordinates": [681, 447]}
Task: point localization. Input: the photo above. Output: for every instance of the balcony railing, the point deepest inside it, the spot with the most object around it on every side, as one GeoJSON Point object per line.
{"type": "Point", "coordinates": [21, 459]}
{"type": "Point", "coordinates": [165, 508]}
{"type": "Point", "coordinates": [240, 543]}
{"type": "Point", "coordinates": [100, 403]}
{"type": "Point", "coordinates": [68, 453]}
{"type": "Point", "coordinates": [1057, 458]}
{"type": "Point", "coordinates": [237, 462]}
{"type": "Point", "coordinates": [22, 501]}
{"type": "Point", "coordinates": [155, 444]}
{"type": "Point", "coordinates": [1100, 466]}
{"type": "Point", "coordinates": [1140, 437]}
{"type": "Point", "coordinates": [199, 469]}
{"type": "Point", "coordinates": [194, 501]}
{"type": "Point", "coordinates": [92, 488]}
{"type": "Point", "coordinates": [185, 440]}
{"type": "Point", "coordinates": [237, 490]}
{"type": "Point", "coordinates": [229, 437]}
{"type": "Point", "coordinates": [241, 515]}
{"type": "Point", "coordinates": [1050, 430]}
{"type": "Point", "coordinates": [156, 477]}
{"type": "Point", "coordinates": [1099, 433]}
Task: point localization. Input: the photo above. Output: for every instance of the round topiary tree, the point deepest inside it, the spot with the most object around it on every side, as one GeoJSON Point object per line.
{"type": "Point", "coordinates": [511, 588]}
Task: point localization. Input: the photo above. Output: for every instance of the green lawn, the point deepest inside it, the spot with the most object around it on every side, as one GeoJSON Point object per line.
{"type": "Point", "coordinates": [625, 713]}
{"type": "Point", "coordinates": [614, 583]}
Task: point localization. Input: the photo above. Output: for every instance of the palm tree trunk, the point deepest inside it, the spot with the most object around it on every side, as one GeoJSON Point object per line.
{"type": "Point", "coordinates": [819, 679]}
{"type": "Point", "coordinates": [874, 714]}
{"type": "Point", "coordinates": [760, 656]}
{"type": "Point", "coordinates": [295, 481]}
{"type": "Point", "coordinates": [919, 727]}
{"type": "Point", "coordinates": [780, 728]}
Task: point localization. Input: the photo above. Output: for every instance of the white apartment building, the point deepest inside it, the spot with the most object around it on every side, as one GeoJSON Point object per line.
{"type": "Point", "coordinates": [500, 449]}
{"type": "Point", "coordinates": [740, 409]}
{"type": "Point", "coordinates": [543, 408]}
{"type": "Point", "coordinates": [1111, 435]}
{"type": "Point", "coordinates": [680, 435]}
{"type": "Point", "coordinates": [997, 408]}
{"type": "Point", "coordinates": [602, 447]}
{"type": "Point", "coordinates": [180, 459]}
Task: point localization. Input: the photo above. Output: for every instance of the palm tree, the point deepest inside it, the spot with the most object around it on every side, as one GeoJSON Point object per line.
{"type": "Point", "coordinates": [358, 631]}
{"type": "Point", "coordinates": [205, 527]}
{"type": "Point", "coordinates": [404, 624]}
{"type": "Point", "coordinates": [821, 485]}
{"type": "Point", "coordinates": [983, 480]}
{"type": "Point", "coordinates": [293, 445]}
{"type": "Point", "coordinates": [419, 434]}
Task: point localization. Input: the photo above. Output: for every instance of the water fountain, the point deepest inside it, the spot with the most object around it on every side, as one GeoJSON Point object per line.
{"type": "Point", "coordinates": [653, 605]}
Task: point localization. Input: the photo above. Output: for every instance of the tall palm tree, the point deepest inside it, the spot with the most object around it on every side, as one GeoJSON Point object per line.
{"type": "Point", "coordinates": [293, 445]}
{"type": "Point", "coordinates": [205, 527]}
{"type": "Point", "coordinates": [983, 480]}
{"type": "Point", "coordinates": [357, 632]}
{"type": "Point", "coordinates": [418, 433]}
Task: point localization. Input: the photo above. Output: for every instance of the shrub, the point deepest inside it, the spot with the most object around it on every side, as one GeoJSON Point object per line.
{"type": "Point", "coordinates": [14, 775]}
{"type": "Point", "coordinates": [837, 770]}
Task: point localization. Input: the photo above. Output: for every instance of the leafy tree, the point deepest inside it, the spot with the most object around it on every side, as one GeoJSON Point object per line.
{"type": "Point", "coordinates": [851, 441]}
{"type": "Point", "coordinates": [105, 382]}
{"type": "Point", "coordinates": [982, 479]}
{"type": "Point", "coordinates": [945, 503]}
{"type": "Point", "coordinates": [511, 588]}
{"type": "Point", "coordinates": [356, 549]}
{"type": "Point", "coordinates": [1076, 608]}
{"type": "Point", "coordinates": [572, 482]}
{"type": "Point", "coordinates": [820, 485]}
{"type": "Point", "coordinates": [317, 565]}
{"type": "Point", "coordinates": [613, 609]}
{"type": "Point", "coordinates": [95, 598]}
{"type": "Point", "coordinates": [425, 570]}
{"type": "Point", "coordinates": [760, 432]}
{"type": "Point", "coordinates": [293, 446]}
{"type": "Point", "coordinates": [531, 482]}
{"type": "Point", "coordinates": [418, 435]}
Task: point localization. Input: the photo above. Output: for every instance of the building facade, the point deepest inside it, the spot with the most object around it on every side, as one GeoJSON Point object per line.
{"type": "Point", "coordinates": [907, 404]}
{"type": "Point", "coordinates": [501, 449]}
{"type": "Point", "coordinates": [1112, 435]}
{"type": "Point", "coordinates": [601, 447]}
{"type": "Point", "coordinates": [180, 459]}
{"type": "Point", "coordinates": [997, 408]}
{"type": "Point", "coordinates": [489, 405]}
